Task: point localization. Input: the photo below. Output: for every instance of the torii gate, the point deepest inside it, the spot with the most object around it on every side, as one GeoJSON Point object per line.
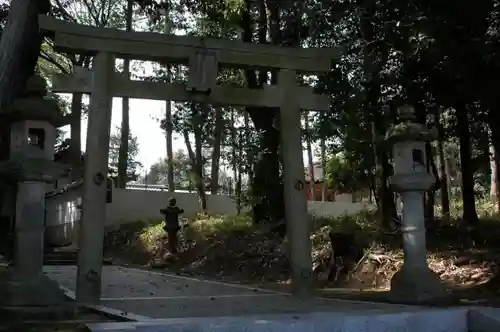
{"type": "Point", "coordinates": [204, 56]}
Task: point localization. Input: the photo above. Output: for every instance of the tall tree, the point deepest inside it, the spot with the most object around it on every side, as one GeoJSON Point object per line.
{"type": "Point", "coordinates": [216, 149]}
{"type": "Point", "coordinates": [19, 47]}
{"type": "Point", "coordinates": [234, 148]}
{"type": "Point", "coordinates": [169, 141]}
{"type": "Point", "coordinates": [443, 174]}
{"type": "Point", "coordinates": [125, 127]}
{"type": "Point", "coordinates": [168, 113]}
{"type": "Point", "coordinates": [267, 188]}
{"type": "Point", "coordinates": [158, 173]}
{"type": "Point", "coordinates": [310, 161]}
{"type": "Point", "coordinates": [468, 195]}
{"type": "Point", "coordinates": [323, 168]}
{"type": "Point", "coordinates": [133, 165]}
{"type": "Point", "coordinates": [375, 56]}
{"type": "Point", "coordinates": [196, 155]}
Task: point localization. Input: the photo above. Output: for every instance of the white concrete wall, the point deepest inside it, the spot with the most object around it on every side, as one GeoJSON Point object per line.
{"type": "Point", "coordinates": [62, 214]}
{"type": "Point", "coordinates": [130, 205]}
{"type": "Point", "coordinates": [336, 209]}
{"type": "Point", "coordinates": [63, 208]}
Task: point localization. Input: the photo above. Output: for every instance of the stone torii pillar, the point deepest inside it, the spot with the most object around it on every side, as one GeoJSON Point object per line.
{"type": "Point", "coordinates": [415, 282]}
{"type": "Point", "coordinates": [297, 218]}
{"type": "Point", "coordinates": [91, 231]}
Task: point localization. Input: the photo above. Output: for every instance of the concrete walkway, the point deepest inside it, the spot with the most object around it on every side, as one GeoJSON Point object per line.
{"type": "Point", "coordinates": [152, 295]}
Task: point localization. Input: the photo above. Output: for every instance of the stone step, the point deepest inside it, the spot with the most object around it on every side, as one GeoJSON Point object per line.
{"type": "Point", "coordinates": [429, 320]}
{"type": "Point", "coordinates": [65, 258]}
{"type": "Point", "coordinates": [66, 317]}
{"type": "Point", "coordinates": [60, 258]}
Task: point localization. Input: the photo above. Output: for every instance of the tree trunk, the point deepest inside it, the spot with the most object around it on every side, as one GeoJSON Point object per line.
{"type": "Point", "coordinates": [218, 131]}
{"type": "Point", "coordinates": [200, 183]}
{"type": "Point", "coordinates": [375, 56]}
{"type": "Point", "coordinates": [267, 187]}
{"type": "Point", "coordinates": [168, 119]}
{"type": "Point", "coordinates": [240, 171]}
{"type": "Point", "coordinates": [125, 127]}
{"type": "Point", "coordinates": [494, 178]}
{"type": "Point", "coordinates": [430, 195]}
{"type": "Point", "coordinates": [443, 175]}
{"type": "Point", "coordinates": [384, 196]}
{"type": "Point", "coordinates": [169, 141]}
{"type": "Point", "coordinates": [495, 142]}
{"type": "Point", "coordinates": [270, 203]}
{"type": "Point", "coordinates": [312, 184]}
{"type": "Point", "coordinates": [492, 156]}
{"type": "Point", "coordinates": [234, 147]}
{"type": "Point", "coordinates": [197, 165]}
{"type": "Point", "coordinates": [76, 133]}
{"type": "Point", "coordinates": [121, 180]}
{"type": "Point", "coordinates": [323, 169]}
{"type": "Point", "coordinates": [250, 152]}
{"type": "Point", "coordinates": [468, 195]}
{"type": "Point", "coordinates": [497, 177]}
{"type": "Point", "coordinates": [19, 47]}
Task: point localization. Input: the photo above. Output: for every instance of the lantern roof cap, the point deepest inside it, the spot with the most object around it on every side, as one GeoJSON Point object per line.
{"type": "Point", "coordinates": [34, 105]}
{"type": "Point", "coordinates": [35, 86]}
{"type": "Point", "coordinates": [408, 129]}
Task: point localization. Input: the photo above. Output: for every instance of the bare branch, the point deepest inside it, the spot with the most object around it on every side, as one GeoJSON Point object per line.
{"type": "Point", "coordinates": [65, 14]}
{"type": "Point", "coordinates": [92, 11]}
{"type": "Point", "coordinates": [106, 12]}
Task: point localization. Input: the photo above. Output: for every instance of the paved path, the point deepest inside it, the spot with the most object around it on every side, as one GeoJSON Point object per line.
{"type": "Point", "coordinates": [151, 295]}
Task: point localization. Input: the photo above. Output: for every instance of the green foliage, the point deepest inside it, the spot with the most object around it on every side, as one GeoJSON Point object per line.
{"type": "Point", "coordinates": [343, 172]}
{"type": "Point", "coordinates": [4, 12]}
{"type": "Point", "coordinates": [485, 209]}
{"type": "Point", "coordinates": [392, 52]}
{"type": "Point", "coordinates": [207, 225]}
{"type": "Point", "coordinates": [133, 165]}
{"type": "Point", "coordinates": [182, 171]}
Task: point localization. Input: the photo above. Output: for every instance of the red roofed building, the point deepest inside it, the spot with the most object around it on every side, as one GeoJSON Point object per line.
{"type": "Point", "coordinates": [317, 193]}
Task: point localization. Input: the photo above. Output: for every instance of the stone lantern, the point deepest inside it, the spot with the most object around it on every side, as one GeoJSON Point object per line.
{"type": "Point", "coordinates": [33, 119]}
{"type": "Point", "coordinates": [415, 282]}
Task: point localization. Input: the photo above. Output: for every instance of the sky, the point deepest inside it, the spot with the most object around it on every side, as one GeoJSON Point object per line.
{"type": "Point", "coordinates": [144, 124]}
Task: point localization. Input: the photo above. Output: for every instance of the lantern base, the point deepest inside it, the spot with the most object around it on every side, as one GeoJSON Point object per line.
{"type": "Point", "coordinates": [418, 285]}
{"type": "Point", "coordinates": [38, 291]}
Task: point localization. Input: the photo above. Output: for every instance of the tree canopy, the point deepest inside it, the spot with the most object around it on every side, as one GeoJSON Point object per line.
{"type": "Point", "coordinates": [441, 57]}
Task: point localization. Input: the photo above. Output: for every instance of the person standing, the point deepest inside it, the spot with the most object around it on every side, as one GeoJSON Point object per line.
{"type": "Point", "coordinates": [172, 227]}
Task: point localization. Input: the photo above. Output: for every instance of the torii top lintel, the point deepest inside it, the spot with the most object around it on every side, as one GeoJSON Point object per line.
{"type": "Point", "coordinates": [77, 38]}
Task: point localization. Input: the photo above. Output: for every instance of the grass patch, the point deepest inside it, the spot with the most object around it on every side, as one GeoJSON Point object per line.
{"type": "Point", "coordinates": [484, 207]}
{"type": "Point", "coordinates": [231, 248]}
{"type": "Point", "coordinates": [208, 226]}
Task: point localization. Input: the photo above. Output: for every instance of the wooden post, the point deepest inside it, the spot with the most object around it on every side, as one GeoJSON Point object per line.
{"type": "Point", "coordinates": [91, 233]}
{"type": "Point", "coordinates": [297, 219]}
